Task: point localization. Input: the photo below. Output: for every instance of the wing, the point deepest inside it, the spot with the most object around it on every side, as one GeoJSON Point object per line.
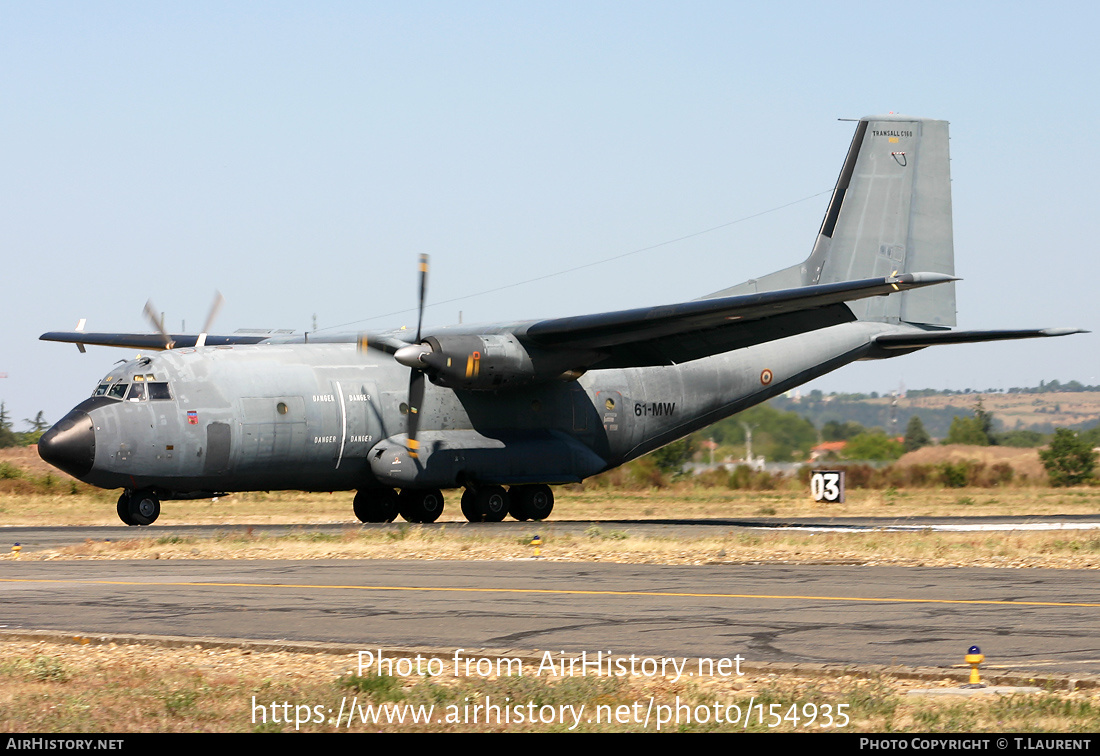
{"type": "Point", "coordinates": [682, 332]}
{"type": "Point", "coordinates": [148, 341]}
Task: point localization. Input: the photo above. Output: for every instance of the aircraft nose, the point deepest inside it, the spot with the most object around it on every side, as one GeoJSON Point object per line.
{"type": "Point", "coordinates": [70, 444]}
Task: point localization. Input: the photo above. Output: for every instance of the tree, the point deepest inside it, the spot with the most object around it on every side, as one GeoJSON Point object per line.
{"type": "Point", "coordinates": [972, 431]}
{"type": "Point", "coordinates": [874, 446]}
{"type": "Point", "coordinates": [1021, 438]}
{"type": "Point", "coordinates": [778, 436]}
{"type": "Point", "coordinates": [38, 426]}
{"type": "Point", "coordinates": [39, 423]}
{"type": "Point", "coordinates": [834, 430]}
{"type": "Point", "coordinates": [915, 434]}
{"type": "Point", "coordinates": [7, 438]}
{"type": "Point", "coordinates": [1069, 459]}
{"type": "Point", "coordinates": [670, 459]}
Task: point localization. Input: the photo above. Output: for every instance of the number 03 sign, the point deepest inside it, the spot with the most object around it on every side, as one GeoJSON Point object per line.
{"type": "Point", "coordinates": [827, 485]}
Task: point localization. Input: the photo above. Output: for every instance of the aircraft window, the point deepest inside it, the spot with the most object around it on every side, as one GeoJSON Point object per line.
{"type": "Point", "coordinates": [137, 392]}
{"type": "Point", "coordinates": [101, 389]}
{"type": "Point", "coordinates": [158, 391]}
{"type": "Point", "coordinates": [139, 377]}
{"type": "Point", "coordinates": [281, 408]}
{"type": "Point", "coordinates": [118, 390]}
{"type": "Point", "coordinates": [150, 377]}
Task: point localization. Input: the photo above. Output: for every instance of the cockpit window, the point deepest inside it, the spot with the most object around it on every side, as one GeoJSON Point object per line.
{"type": "Point", "coordinates": [159, 391]}
{"type": "Point", "coordinates": [101, 389]}
{"type": "Point", "coordinates": [137, 393]}
{"type": "Point", "coordinates": [118, 390]}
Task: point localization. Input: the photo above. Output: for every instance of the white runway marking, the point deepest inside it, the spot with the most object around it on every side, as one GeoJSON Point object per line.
{"type": "Point", "coordinates": [939, 528]}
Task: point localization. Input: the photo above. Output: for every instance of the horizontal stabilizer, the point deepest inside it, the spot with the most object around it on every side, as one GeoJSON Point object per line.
{"type": "Point", "coordinates": [935, 338]}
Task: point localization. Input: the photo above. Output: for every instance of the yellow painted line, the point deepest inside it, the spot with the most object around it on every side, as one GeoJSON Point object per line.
{"type": "Point", "coordinates": [556, 591]}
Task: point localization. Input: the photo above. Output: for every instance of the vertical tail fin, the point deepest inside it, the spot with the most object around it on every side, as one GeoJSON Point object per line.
{"type": "Point", "coordinates": [890, 211]}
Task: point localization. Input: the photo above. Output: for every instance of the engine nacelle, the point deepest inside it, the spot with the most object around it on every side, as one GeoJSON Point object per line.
{"type": "Point", "coordinates": [489, 362]}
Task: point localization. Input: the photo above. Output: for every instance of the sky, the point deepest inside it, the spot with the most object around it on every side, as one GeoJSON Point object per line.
{"type": "Point", "coordinates": [298, 157]}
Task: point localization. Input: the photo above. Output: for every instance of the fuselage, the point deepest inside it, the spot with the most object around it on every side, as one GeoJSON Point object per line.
{"type": "Point", "coordinates": [190, 422]}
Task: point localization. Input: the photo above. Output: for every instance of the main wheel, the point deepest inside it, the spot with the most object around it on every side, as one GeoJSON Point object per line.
{"type": "Point", "coordinates": [144, 508]}
{"type": "Point", "coordinates": [376, 505]}
{"type": "Point", "coordinates": [123, 508]}
{"type": "Point", "coordinates": [531, 502]}
{"type": "Point", "coordinates": [421, 505]}
{"type": "Point", "coordinates": [469, 506]}
{"type": "Point", "coordinates": [485, 504]}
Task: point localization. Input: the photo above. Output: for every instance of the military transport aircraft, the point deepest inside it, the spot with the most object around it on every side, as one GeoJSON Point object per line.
{"type": "Point", "coordinates": [528, 404]}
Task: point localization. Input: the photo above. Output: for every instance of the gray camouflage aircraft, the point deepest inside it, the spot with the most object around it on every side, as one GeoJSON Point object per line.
{"type": "Point", "coordinates": [527, 404]}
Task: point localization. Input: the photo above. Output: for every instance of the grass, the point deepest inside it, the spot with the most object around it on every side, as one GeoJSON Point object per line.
{"type": "Point", "coordinates": [682, 501]}
{"type": "Point", "coordinates": [50, 687]}
{"type": "Point", "coordinates": [608, 538]}
{"type": "Point", "coordinates": [1049, 549]}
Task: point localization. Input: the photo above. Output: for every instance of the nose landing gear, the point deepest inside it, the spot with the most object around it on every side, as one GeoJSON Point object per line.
{"type": "Point", "coordinates": [138, 507]}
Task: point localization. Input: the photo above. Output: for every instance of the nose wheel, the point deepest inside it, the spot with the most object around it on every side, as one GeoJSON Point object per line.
{"type": "Point", "coordinates": [138, 507]}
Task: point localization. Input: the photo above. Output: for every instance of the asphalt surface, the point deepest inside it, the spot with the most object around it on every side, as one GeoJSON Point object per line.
{"type": "Point", "coordinates": [1041, 620]}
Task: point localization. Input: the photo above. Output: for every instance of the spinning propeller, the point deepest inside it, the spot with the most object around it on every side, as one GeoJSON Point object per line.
{"type": "Point", "coordinates": [158, 322]}
{"type": "Point", "coordinates": [412, 356]}
{"type": "Point", "coordinates": [416, 376]}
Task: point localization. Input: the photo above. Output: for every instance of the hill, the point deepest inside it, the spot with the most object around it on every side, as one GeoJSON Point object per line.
{"type": "Point", "coordinates": [1024, 462]}
{"type": "Point", "coordinates": [1041, 412]}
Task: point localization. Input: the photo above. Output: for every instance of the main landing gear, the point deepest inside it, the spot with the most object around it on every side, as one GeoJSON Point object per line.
{"type": "Point", "coordinates": [384, 504]}
{"type": "Point", "coordinates": [479, 504]}
{"type": "Point", "coordinates": [138, 507]}
{"type": "Point", "coordinates": [376, 505]}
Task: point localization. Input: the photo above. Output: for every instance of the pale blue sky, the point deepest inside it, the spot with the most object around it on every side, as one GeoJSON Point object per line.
{"type": "Point", "coordinates": [299, 156]}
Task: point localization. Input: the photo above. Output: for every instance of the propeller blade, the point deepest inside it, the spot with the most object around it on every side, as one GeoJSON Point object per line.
{"type": "Point", "coordinates": [423, 291]}
{"type": "Point", "coordinates": [219, 300]}
{"type": "Point", "coordinates": [387, 344]}
{"type": "Point", "coordinates": [416, 374]}
{"type": "Point", "coordinates": [158, 326]}
{"type": "Point", "coordinates": [416, 397]}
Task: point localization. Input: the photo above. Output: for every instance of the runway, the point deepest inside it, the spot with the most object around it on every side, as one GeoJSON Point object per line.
{"type": "Point", "coordinates": [1041, 620]}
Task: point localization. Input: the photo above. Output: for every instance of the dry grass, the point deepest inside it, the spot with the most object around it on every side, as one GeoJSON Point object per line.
{"type": "Point", "coordinates": [609, 511]}
{"type": "Point", "coordinates": [682, 501]}
{"type": "Point", "coordinates": [52, 687]}
{"type": "Point", "coordinates": [602, 543]}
